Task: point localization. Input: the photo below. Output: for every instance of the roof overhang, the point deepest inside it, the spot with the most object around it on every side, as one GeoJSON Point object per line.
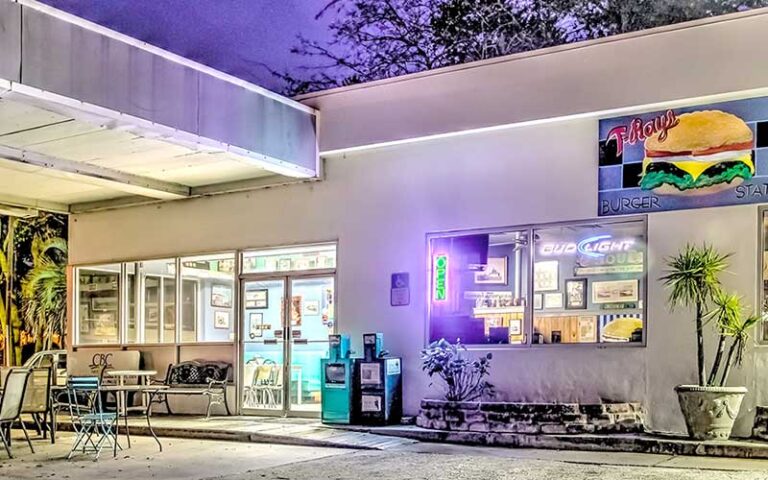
{"type": "Point", "coordinates": [90, 117]}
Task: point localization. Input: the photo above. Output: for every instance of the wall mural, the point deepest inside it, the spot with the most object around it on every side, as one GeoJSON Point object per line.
{"type": "Point", "coordinates": [692, 157]}
{"type": "Point", "coordinates": [38, 248]}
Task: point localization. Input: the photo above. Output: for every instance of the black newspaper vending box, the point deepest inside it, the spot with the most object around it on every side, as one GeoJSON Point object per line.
{"type": "Point", "coordinates": [379, 386]}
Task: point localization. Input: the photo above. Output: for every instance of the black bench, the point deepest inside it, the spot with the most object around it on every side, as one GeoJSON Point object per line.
{"type": "Point", "coordinates": [197, 378]}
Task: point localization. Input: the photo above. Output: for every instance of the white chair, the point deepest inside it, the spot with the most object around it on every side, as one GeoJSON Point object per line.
{"type": "Point", "coordinates": [11, 405]}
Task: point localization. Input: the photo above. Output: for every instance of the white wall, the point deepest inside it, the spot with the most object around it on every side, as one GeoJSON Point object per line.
{"type": "Point", "coordinates": [381, 204]}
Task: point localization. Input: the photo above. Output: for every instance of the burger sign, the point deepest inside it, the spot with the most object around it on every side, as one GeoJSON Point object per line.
{"type": "Point", "coordinates": [684, 158]}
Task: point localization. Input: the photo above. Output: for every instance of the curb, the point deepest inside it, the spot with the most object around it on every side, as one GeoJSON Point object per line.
{"type": "Point", "coordinates": [639, 443]}
{"type": "Point", "coordinates": [232, 436]}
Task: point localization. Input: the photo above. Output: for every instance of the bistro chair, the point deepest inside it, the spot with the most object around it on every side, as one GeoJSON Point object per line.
{"type": "Point", "coordinates": [37, 400]}
{"type": "Point", "coordinates": [93, 426]}
{"type": "Point", "coordinates": [11, 405]}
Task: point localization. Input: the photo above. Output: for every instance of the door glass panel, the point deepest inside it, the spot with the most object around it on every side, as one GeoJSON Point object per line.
{"type": "Point", "coordinates": [312, 320]}
{"type": "Point", "coordinates": [263, 344]}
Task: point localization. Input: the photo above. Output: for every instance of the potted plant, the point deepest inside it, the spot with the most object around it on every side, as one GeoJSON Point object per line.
{"type": "Point", "coordinates": [710, 407]}
{"type": "Point", "coordinates": [464, 379]}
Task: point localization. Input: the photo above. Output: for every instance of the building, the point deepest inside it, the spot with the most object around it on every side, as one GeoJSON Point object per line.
{"type": "Point", "coordinates": [495, 160]}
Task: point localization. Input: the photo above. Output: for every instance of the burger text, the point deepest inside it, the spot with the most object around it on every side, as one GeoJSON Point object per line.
{"type": "Point", "coordinates": [639, 130]}
{"type": "Point", "coordinates": [751, 190]}
{"type": "Point", "coordinates": [628, 204]}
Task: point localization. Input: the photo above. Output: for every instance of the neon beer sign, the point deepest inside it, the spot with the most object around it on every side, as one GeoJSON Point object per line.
{"type": "Point", "coordinates": [440, 275]}
{"type": "Point", "coordinates": [596, 247]}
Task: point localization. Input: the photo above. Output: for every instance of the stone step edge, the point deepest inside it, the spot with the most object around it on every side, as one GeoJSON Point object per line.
{"type": "Point", "coordinates": [232, 436]}
{"type": "Point", "coordinates": [580, 442]}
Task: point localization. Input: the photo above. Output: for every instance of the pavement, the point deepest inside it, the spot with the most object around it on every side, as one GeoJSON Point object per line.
{"type": "Point", "coordinates": [196, 459]}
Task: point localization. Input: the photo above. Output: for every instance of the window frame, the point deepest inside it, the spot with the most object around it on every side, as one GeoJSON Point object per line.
{"type": "Point", "coordinates": [760, 339]}
{"type": "Point", "coordinates": [528, 315]}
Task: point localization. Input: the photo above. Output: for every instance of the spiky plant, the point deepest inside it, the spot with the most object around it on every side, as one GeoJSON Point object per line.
{"type": "Point", "coordinates": [692, 277]}
{"type": "Point", "coordinates": [44, 291]}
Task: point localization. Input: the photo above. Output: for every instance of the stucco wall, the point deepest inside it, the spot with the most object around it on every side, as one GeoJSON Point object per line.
{"type": "Point", "coordinates": [380, 205]}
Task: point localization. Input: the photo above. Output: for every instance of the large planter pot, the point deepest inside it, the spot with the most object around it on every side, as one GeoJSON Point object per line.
{"type": "Point", "coordinates": [709, 411]}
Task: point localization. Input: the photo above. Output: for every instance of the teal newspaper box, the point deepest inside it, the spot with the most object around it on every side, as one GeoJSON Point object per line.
{"type": "Point", "coordinates": [336, 382]}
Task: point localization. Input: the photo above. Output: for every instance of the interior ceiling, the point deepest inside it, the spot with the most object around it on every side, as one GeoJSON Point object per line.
{"type": "Point", "coordinates": [30, 128]}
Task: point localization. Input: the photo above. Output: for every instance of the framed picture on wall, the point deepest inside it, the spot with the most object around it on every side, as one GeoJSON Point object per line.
{"type": "Point", "coordinates": [587, 329]}
{"type": "Point", "coordinates": [538, 301]}
{"type": "Point", "coordinates": [221, 319]}
{"type": "Point", "coordinates": [495, 272]}
{"type": "Point", "coordinates": [221, 296]}
{"type": "Point", "coordinates": [576, 294]}
{"type": "Point", "coordinates": [516, 327]}
{"type": "Point", "coordinates": [545, 276]}
{"type": "Point", "coordinates": [256, 325]}
{"type": "Point", "coordinates": [553, 300]}
{"type": "Point", "coordinates": [311, 307]}
{"type": "Point", "coordinates": [616, 291]}
{"type": "Point", "coordinates": [257, 298]}
{"type": "Point", "coordinates": [296, 302]}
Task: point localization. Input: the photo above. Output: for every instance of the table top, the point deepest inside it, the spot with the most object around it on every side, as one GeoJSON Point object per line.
{"type": "Point", "coordinates": [131, 373]}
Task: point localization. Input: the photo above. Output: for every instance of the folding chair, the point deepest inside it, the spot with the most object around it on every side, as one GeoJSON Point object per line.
{"type": "Point", "coordinates": [11, 404]}
{"type": "Point", "coordinates": [93, 426]}
{"type": "Point", "coordinates": [37, 399]}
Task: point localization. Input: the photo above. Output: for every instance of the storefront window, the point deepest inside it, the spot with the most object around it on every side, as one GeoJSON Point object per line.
{"type": "Point", "coordinates": [589, 283]}
{"type": "Point", "coordinates": [208, 297]}
{"type": "Point", "coordinates": [317, 257]}
{"type": "Point", "coordinates": [574, 283]}
{"type": "Point", "coordinates": [159, 301]}
{"type": "Point", "coordinates": [478, 288]}
{"type": "Point", "coordinates": [97, 304]}
{"type": "Point", "coordinates": [764, 282]}
{"type": "Point", "coordinates": [132, 295]}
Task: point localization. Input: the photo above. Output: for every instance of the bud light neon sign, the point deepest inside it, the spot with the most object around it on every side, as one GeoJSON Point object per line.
{"type": "Point", "coordinates": [440, 276]}
{"type": "Point", "coordinates": [596, 246]}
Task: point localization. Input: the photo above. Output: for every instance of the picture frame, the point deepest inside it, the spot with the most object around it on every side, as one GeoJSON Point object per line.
{"type": "Point", "coordinates": [587, 330]}
{"type": "Point", "coordinates": [221, 296]}
{"type": "Point", "coordinates": [258, 299]}
{"type": "Point", "coordinates": [296, 311]}
{"type": "Point", "coordinates": [255, 325]}
{"type": "Point", "coordinates": [546, 275]}
{"type": "Point", "coordinates": [221, 319]}
{"type": "Point", "coordinates": [576, 294]}
{"type": "Point", "coordinates": [311, 307]}
{"type": "Point", "coordinates": [538, 301]}
{"type": "Point", "coordinates": [495, 272]}
{"type": "Point", "coordinates": [615, 291]}
{"type": "Point", "coordinates": [553, 301]}
{"type": "Point", "coordinates": [516, 327]}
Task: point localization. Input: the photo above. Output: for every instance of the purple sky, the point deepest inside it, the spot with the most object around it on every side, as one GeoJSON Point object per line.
{"type": "Point", "coordinates": [235, 36]}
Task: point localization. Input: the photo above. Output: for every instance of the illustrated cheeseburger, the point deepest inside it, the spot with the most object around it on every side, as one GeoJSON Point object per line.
{"type": "Point", "coordinates": [706, 152]}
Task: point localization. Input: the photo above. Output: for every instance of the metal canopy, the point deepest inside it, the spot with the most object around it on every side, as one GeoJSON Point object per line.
{"type": "Point", "coordinates": [90, 118]}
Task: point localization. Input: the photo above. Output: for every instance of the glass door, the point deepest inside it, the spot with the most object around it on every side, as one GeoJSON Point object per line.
{"type": "Point", "coordinates": [263, 345]}
{"type": "Point", "coordinates": [312, 319]}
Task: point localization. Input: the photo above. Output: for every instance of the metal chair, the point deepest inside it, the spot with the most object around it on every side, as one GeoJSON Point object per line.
{"type": "Point", "coordinates": [37, 400]}
{"type": "Point", "coordinates": [93, 426]}
{"type": "Point", "coordinates": [11, 405]}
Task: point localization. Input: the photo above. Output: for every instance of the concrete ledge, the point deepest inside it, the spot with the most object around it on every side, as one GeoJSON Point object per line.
{"type": "Point", "coordinates": [634, 443]}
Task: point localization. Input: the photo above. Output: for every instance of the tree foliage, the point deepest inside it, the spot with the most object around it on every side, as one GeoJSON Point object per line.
{"type": "Point", "coordinates": [376, 39]}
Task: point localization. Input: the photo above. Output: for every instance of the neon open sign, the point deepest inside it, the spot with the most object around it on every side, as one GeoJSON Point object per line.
{"type": "Point", "coordinates": [597, 246]}
{"type": "Point", "coordinates": [440, 274]}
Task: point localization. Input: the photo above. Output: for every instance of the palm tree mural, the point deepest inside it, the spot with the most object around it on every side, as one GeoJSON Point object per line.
{"type": "Point", "coordinates": [33, 259]}
{"type": "Point", "coordinates": [44, 292]}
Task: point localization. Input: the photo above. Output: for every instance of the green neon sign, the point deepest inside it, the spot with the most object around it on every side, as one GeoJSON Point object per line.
{"type": "Point", "coordinates": [440, 275]}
